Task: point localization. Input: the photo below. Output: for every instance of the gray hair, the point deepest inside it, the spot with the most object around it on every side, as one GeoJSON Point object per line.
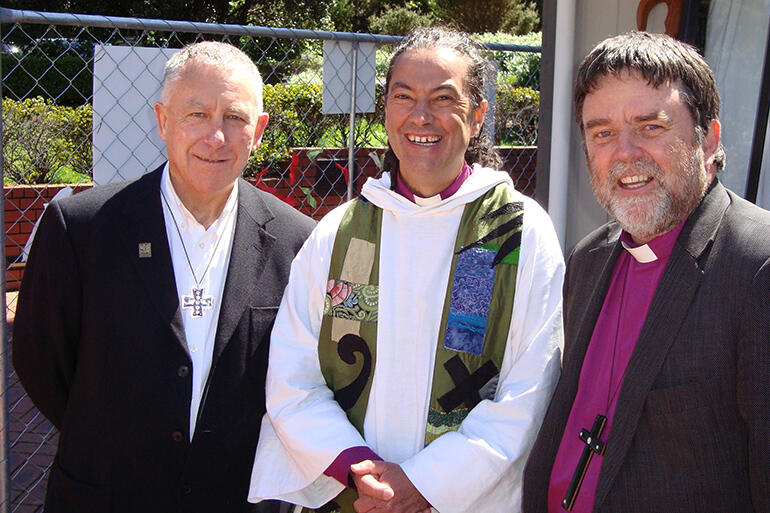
{"type": "Point", "coordinates": [213, 53]}
{"type": "Point", "coordinates": [481, 148]}
{"type": "Point", "coordinates": [659, 59]}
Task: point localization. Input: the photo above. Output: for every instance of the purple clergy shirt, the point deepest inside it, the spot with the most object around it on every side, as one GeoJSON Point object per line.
{"type": "Point", "coordinates": [340, 467]}
{"type": "Point", "coordinates": [617, 329]}
{"type": "Point", "coordinates": [404, 191]}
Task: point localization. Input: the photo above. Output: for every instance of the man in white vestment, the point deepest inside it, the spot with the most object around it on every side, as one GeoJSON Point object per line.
{"type": "Point", "coordinates": [419, 338]}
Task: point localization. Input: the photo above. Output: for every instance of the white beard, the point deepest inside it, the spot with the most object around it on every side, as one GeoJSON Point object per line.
{"type": "Point", "coordinates": [675, 196]}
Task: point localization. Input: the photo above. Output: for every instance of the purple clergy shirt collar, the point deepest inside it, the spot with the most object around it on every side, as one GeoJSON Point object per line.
{"type": "Point", "coordinates": [404, 191]}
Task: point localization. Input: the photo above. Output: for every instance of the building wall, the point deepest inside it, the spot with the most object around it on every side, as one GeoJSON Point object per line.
{"type": "Point", "coordinates": [594, 21]}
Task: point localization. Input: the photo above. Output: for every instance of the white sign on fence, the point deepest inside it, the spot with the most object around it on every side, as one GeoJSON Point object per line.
{"type": "Point", "coordinates": [338, 66]}
{"type": "Point", "coordinates": [126, 85]}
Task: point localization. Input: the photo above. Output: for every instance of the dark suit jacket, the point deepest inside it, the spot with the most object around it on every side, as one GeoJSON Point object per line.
{"type": "Point", "coordinates": [691, 432]}
{"type": "Point", "coordinates": [99, 346]}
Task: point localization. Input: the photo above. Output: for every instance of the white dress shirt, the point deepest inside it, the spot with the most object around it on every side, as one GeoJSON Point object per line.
{"type": "Point", "coordinates": [209, 254]}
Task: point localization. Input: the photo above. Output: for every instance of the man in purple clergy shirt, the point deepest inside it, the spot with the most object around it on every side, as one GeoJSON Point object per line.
{"type": "Point", "coordinates": [664, 397]}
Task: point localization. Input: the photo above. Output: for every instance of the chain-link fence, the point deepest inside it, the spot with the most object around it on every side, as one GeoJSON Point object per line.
{"type": "Point", "coordinates": [77, 95]}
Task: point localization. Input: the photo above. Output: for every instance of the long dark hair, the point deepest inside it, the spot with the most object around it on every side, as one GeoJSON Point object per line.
{"type": "Point", "coordinates": [481, 148]}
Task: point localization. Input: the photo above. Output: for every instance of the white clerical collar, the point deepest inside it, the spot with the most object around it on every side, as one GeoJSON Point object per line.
{"type": "Point", "coordinates": [642, 254]}
{"type": "Point", "coordinates": [427, 201]}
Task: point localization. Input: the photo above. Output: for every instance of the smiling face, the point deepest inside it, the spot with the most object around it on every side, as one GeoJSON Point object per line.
{"type": "Point", "coordinates": [210, 124]}
{"type": "Point", "coordinates": [429, 117]}
{"type": "Point", "coordinates": [647, 168]}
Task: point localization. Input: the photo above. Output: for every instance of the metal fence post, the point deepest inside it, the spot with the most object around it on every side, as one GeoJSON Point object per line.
{"type": "Point", "coordinates": [5, 486]}
{"type": "Point", "coordinates": [352, 131]}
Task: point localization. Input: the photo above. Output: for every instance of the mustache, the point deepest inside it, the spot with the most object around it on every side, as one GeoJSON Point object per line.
{"type": "Point", "coordinates": [639, 167]}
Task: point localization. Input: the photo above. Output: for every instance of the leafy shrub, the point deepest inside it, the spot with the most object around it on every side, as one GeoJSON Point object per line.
{"type": "Point", "coordinates": [399, 20]}
{"type": "Point", "coordinates": [66, 79]}
{"type": "Point", "coordinates": [516, 115]}
{"type": "Point", "coordinates": [522, 68]}
{"type": "Point", "coordinates": [42, 140]}
{"type": "Point", "coordinates": [514, 16]}
{"type": "Point", "coordinates": [295, 120]}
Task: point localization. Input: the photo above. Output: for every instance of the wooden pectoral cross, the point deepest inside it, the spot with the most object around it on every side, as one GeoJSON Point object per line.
{"type": "Point", "coordinates": [593, 446]}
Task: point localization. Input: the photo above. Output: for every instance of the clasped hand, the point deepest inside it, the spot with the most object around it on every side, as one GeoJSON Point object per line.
{"type": "Point", "coordinates": [384, 487]}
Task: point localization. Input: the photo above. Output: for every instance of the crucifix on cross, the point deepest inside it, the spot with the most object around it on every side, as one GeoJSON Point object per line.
{"type": "Point", "coordinates": [593, 446]}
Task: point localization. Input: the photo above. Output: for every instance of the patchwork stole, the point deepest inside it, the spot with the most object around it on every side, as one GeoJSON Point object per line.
{"type": "Point", "coordinates": [474, 326]}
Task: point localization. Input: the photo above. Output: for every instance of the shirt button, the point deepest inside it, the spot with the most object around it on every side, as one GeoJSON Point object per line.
{"type": "Point", "coordinates": [184, 225]}
{"type": "Point", "coordinates": [176, 436]}
{"type": "Point", "coordinates": [201, 245]}
{"type": "Point", "coordinates": [183, 371]}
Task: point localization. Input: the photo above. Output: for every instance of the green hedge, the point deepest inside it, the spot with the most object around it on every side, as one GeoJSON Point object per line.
{"type": "Point", "coordinates": [295, 120]}
{"type": "Point", "coordinates": [67, 79]}
{"type": "Point", "coordinates": [516, 114]}
{"type": "Point", "coordinates": [519, 68]}
{"type": "Point", "coordinates": [46, 143]}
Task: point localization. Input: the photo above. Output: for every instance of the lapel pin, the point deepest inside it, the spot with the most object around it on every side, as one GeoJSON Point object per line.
{"type": "Point", "coordinates": [145, 250]}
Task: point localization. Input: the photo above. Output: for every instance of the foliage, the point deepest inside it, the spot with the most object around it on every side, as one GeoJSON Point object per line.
{"type": "Point", "coordinates": [306, 14]}
{"type": "Point", "coordinates": [521, 19]}
{"type": "Point", "coordinates": [516, 115]}
{"type": "Point", "coordinates": [341, 14]}
{"type": "Point", "coordinates": [295, 120]}
{"type": "Point", "coordinates": [369, 132]}
{"type": "Point", "coordinates": [513, 16]}
{"type": "Point", "coordinates": [222, 11]}
{"type": "Point", "coordinates": [522, 68]}
{"type": "Point", "coordinates": [400, 20]}
{"type": "Point", "coordinates": [42, 140]}
{"type": "Point", "coordinates": [354, 15]}
{"type": "Point", "coordinates": [276, 57]}
{"type": "Point", "coordinates": [382, 59]}
{"type": "Point", "coordinates": [279, 58]}
{"type": "Point", "coordinates": [66, 79]}
{"type": "Point", "coordinates": [311, 14]}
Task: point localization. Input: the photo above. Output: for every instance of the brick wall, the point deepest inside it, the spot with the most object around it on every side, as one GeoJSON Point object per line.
{"type": "Point", "coordinates": [329, 192]}
{"type": "Point", "coordinates": [23, 206]}
{"type": "Point", "coordinates": [24, 203]}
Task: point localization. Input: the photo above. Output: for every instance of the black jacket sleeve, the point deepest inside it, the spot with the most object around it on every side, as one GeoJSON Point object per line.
{"type": "Point", "coordinates": [47, 323]}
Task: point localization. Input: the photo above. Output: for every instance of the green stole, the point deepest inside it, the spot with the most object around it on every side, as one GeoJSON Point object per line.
{"type": "Point", "coordinates": [474, 326]}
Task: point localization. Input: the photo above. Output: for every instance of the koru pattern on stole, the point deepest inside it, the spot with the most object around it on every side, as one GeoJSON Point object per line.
{"type": "Point", "coordinates": [347, 343]}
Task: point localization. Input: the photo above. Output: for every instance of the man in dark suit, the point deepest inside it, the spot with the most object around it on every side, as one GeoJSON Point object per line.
{"type": "Point", "coordinates": [664, 397]}
{"type": "Point", "coordinates": [144, 316]}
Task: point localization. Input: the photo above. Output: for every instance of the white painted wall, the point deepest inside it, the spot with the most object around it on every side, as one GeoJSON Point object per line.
{"type": "Point", "coordinates": [594, 21]}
